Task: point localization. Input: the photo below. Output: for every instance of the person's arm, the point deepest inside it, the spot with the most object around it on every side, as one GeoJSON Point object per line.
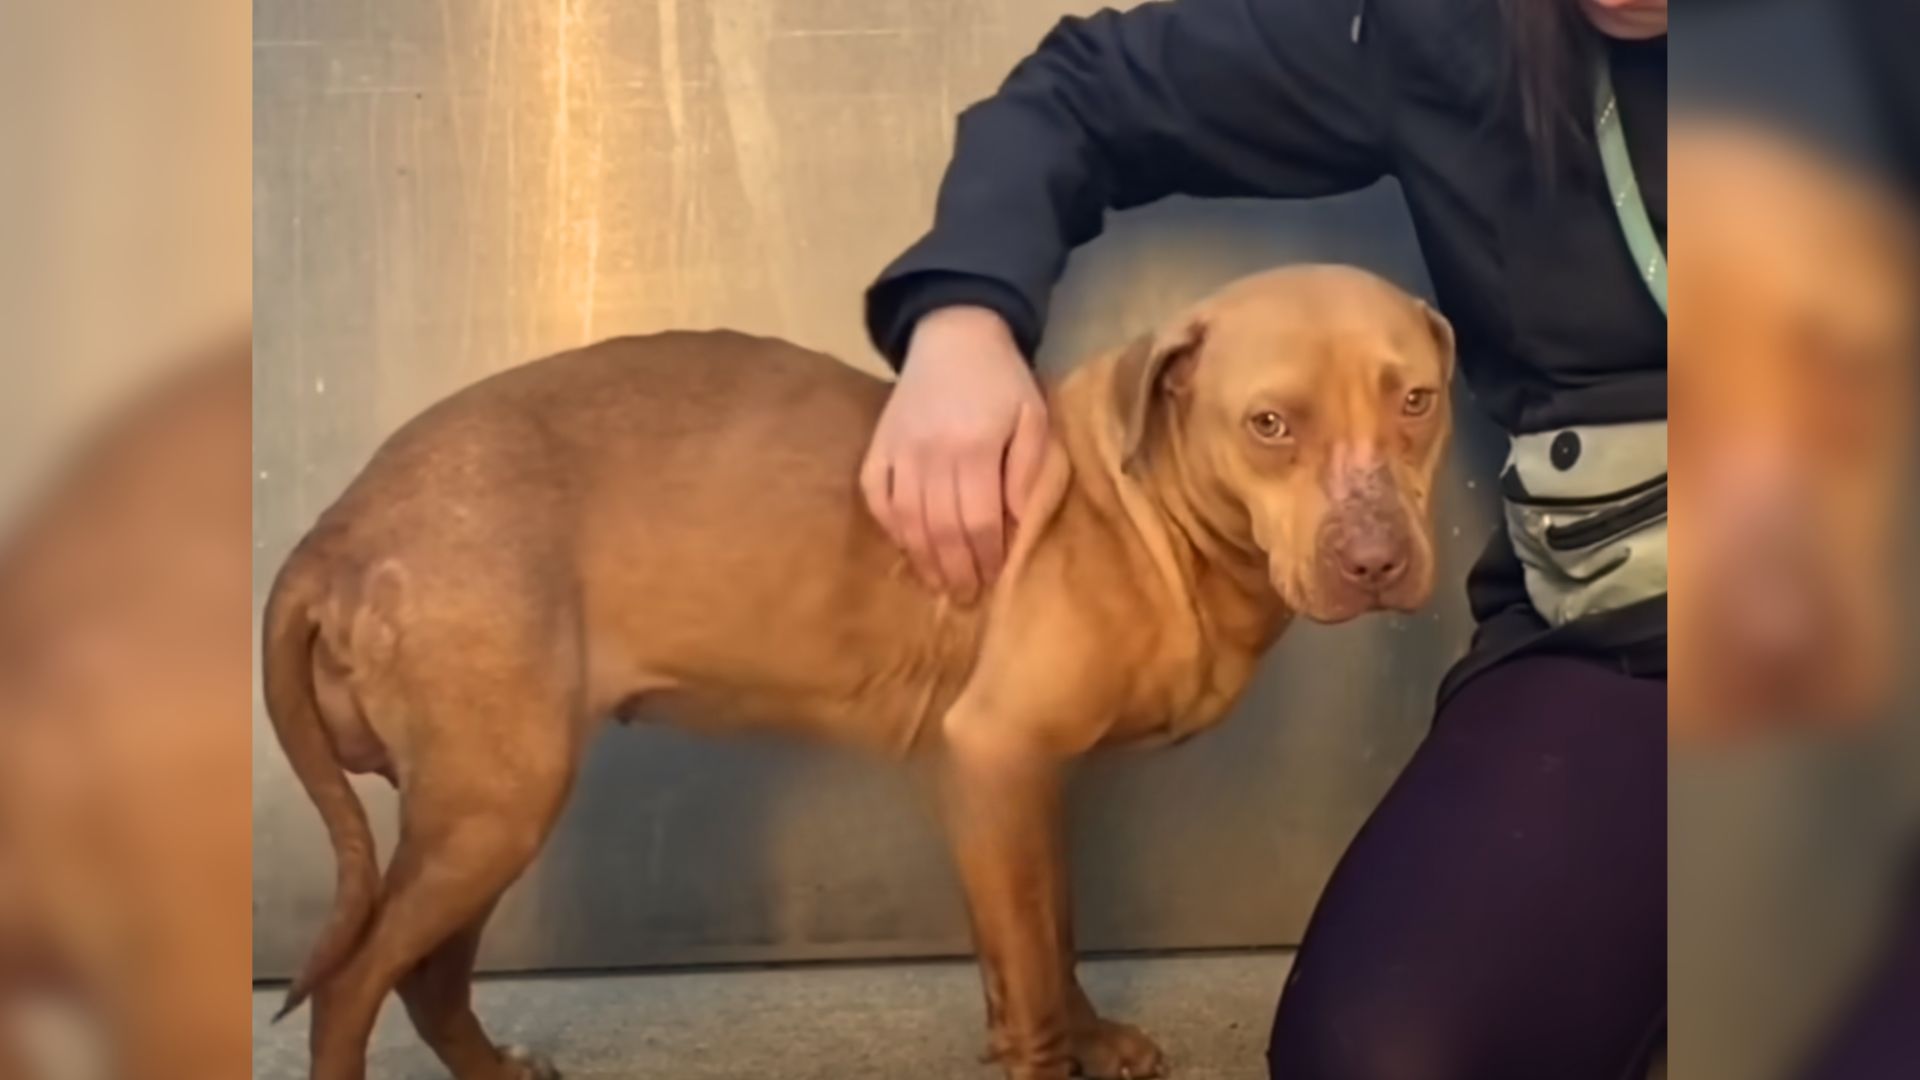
{"type": "Point", "coordinates": [1198, 97]}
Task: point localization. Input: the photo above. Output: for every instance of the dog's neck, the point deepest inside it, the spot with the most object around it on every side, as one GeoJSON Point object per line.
{"type": "Point", "coordinates": [1190, 531]}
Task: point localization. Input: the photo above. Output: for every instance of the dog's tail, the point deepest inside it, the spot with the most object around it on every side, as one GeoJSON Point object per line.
{"type": "Point", "coordinates": [287, 676]}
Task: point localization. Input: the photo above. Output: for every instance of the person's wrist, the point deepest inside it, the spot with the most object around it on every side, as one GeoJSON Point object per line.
{"type": "Point", "coordinates": [963, 331]}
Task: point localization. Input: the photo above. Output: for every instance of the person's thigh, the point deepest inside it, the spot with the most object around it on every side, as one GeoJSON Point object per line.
{"type": "Point", "coordinates": [1502, 915]}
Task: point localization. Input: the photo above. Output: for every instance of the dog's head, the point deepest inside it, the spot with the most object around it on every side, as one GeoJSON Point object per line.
{"type": "Point", "coordinates": [1303, 413]}
{"type": "Point", "coordinates": [1793, 339]}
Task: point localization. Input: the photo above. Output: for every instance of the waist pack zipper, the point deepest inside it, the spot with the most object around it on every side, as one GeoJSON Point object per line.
{"type": "Point", "coordinates": [1586, 532]}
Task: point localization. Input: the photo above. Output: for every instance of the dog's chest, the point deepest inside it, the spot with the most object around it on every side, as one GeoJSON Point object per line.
{"type": "Point", "coordinates": [1176, 700]}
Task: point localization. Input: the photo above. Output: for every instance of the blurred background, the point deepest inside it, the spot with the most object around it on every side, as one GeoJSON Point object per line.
{"type": "Point", "coordinates": [124, 201]}
{"type": "Point", "coordinates": [125, 686]}
{"type": "Point", "coordinates": [1792, 857]}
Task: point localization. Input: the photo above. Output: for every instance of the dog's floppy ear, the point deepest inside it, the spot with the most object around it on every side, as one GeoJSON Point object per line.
{"type": "Point", "coordinates": [1155, 365]}
{"type": "Point", "coordinates": [1442, 331]}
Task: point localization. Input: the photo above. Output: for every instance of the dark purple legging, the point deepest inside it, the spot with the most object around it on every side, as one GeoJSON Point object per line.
{"type": "Point", "coordinates": [1502, 915]}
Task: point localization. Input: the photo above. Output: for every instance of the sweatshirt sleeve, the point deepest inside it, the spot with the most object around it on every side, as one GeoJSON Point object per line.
{"type": "Point", "coordinates": [1210, 98]}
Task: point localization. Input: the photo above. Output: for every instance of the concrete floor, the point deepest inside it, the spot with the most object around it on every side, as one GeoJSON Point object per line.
{"type": "Point", "coordinates": [854, 1022]}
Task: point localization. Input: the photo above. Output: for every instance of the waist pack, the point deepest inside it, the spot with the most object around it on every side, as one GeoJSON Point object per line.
{"type": "Point", "coordinates": [1586, 510]}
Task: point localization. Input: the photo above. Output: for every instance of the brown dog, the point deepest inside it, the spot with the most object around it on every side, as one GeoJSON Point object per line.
{"type": "Point", "coordinates": [676, 519]}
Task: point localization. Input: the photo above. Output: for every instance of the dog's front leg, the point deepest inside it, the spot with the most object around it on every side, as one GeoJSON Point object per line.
{"type": "Point", "coordinates": [1002, 806]}
{"type": "Point", "coordinates": [1102, 1049]}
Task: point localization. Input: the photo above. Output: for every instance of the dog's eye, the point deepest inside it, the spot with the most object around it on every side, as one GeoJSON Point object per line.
{"type": "Point", "coordinates": [1268, 424]}
{"type": "Point", "coordinates": [1418, 402]}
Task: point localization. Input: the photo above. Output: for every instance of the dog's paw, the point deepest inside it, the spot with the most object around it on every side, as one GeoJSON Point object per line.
{"type": "Point", "coordinates": [524, 1064]}
{"type": "Point", "coordinates": [1105, 1050]}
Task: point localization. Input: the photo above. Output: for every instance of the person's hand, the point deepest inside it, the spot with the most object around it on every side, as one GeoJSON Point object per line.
{"type": "Point", "coordinates": [957, 449]}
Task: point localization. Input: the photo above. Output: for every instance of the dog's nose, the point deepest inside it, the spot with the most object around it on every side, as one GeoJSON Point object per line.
{"type": "Point", "coordinates": [1372, 562]}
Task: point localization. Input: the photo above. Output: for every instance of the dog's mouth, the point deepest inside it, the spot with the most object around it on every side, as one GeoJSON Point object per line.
{"type": "Point", "coordinates": [1350, 572]}
{"type": "Point", "coordinates": [1337, 601]}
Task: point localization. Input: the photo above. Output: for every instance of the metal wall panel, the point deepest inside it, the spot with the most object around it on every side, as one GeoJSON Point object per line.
{"type": "Point", "coordinates": [443, 189]}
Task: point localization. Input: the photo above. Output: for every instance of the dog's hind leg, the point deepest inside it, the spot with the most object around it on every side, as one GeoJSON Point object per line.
{"type": "Point", "coordinates": [439, 998]}
{"type": "Point", "coordinates": [444, 881]}
{"type": "Point", "coordinates": [493, 741]}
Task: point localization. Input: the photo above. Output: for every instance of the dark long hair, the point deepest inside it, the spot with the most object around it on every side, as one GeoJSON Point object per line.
{"type": "Point", "coordinates": [1550, 53]}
